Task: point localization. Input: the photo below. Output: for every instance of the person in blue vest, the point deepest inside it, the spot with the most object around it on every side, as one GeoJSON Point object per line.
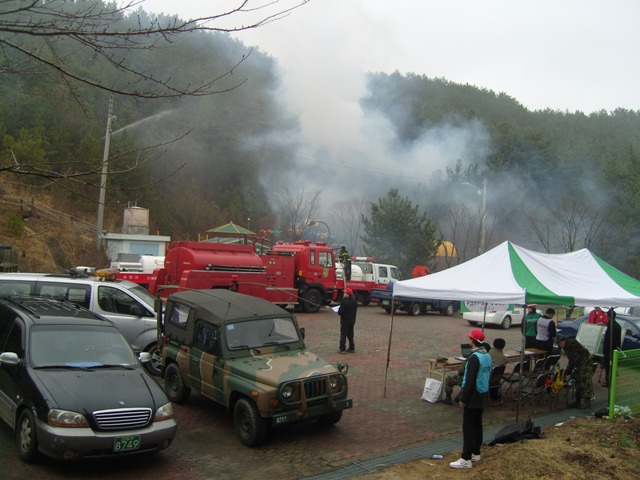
{"type": "Point", "coordinates": [472, 399]}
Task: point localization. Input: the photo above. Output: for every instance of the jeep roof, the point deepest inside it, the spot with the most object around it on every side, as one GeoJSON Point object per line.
{"type": "Point", "coordinates": [218, 305]}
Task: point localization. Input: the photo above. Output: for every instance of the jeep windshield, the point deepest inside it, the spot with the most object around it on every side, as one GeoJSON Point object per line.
{"type": "Point", "coordinates": [261, 332]}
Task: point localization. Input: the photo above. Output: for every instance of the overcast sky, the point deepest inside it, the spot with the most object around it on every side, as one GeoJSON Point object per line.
{"type": "Point", "coordinates": [558, 54]}
{"type": "Point", "coordinates": [564, 55]}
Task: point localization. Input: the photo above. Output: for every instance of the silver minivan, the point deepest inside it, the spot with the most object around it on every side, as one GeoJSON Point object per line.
{"type": "Point", "coordinates": [128, 305]}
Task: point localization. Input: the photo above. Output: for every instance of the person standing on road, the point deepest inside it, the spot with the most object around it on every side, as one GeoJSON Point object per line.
{"type": "Point", "coordinates": [347, 311]}
{"type": "Point", "coordinates": [472, 399]}
{"type": "Point", "coordinates": [610, 344]}
{"type": "Point", "coordinates": [546, 331]}
{"type": "Point", "coordinates": [530, 326]}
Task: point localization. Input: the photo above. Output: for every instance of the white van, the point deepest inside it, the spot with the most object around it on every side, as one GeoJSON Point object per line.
{"type": "Point", "coordinates": [128, 305]}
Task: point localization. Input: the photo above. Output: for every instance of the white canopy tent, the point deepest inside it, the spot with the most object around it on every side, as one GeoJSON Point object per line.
{"type": "Point", "coordinates": [509, 274]}
{"type": "Point", "coordinates": [514, 275]}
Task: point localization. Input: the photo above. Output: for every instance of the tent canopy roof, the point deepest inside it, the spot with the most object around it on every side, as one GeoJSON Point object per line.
{"type": "Point", "coordinates": [230, 229]}
{"type": "Point", "coordinates": [514, 275]}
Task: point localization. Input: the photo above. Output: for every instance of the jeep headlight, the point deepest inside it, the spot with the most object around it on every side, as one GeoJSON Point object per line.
{"type": "Point", "coordinates": [336, 383]}
{"type": "Point", "coordinates": [287, 392]}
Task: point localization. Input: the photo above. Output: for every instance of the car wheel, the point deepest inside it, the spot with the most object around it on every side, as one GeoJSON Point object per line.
{"type": "Point", "coordinates": [473, 324]}
{"type": "Point", "coordinates": [154, 366]}
{"type": "Point", "coordinates": [329, 419]}
{"type": "Point", "coordinates": [250, 427]}
{"type": "Point", "coordinates": [506, 322]}
{"type": "Point", "coordinates": [414, 309]}
{"type": "Point", "coordinates": [26, 441]}
{"type": "Point", "coordinates": [449, 309]}
{"type": "Point", "coordinates": [312, 301]}
{"type": "Point", "coordinates": [174, 385]}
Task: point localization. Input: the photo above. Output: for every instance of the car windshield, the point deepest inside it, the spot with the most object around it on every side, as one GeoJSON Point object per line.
{"type": "Point", "coordinates": [261, 332]}
{"type": "Point", "coordinates": [78, 346]}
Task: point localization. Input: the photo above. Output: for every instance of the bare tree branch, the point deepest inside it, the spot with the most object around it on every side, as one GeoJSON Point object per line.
{"type": "Point", "coordinates": [60, 29]}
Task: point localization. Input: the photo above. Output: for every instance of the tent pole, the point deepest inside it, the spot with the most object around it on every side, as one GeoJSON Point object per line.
{"type": "Point", "coordinates": [484, 317]}
{"type": "Point", "coordinates": [393, 311]}
{"type": "Point", "coordinates": [522, 348]}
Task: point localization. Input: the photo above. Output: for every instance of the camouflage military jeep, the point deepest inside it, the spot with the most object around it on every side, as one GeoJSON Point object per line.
{"type": "Point", "coordinates": [248, 355]}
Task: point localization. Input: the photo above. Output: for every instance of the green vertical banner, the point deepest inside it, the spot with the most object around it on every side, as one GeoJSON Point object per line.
{"type": "Point", "coordinates": [613, 377]}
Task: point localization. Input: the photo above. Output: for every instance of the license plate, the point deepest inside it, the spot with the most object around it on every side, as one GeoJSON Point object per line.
{"type": "Point", "coordinates": [126, 444]}
{"type": "Point", "coordinates": [385, 302]}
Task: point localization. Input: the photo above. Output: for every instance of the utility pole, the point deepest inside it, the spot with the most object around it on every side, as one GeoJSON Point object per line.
{"type": "Point", "coordinates": [103, 177]}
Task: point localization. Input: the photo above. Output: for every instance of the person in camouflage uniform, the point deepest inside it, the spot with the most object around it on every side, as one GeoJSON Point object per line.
{"type": "Point", "coordinates": [580, 368]}
{"type": "Point", "coordinates": [452, 381]}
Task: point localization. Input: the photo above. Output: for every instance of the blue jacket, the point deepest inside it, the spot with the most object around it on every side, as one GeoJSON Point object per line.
{"type": "Point", "coordinates": [475, 383]}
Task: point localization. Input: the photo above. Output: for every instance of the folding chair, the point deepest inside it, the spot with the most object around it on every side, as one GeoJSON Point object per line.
{"type": "Point", "coordinates": [536, 388]}
{"type": "Point", "coordinates": [551, 362]}
{"type": "Point", "coordinates": [538, 367]}
{"type": "Point", "coordinates": [495, 385]}
{"type": "Point", "coordinates": [513, 377]}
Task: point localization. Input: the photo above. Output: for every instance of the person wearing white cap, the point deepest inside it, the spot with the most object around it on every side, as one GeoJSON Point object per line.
{"type": "Point", "coordinates": [472, 399]}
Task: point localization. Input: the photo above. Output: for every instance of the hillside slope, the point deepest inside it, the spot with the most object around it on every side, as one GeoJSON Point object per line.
{"type": "Point", "coordinates": [45, 243]}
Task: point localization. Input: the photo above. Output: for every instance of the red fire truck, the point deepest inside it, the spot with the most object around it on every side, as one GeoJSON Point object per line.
{"type": "Point", "coordinates": [290, 273]}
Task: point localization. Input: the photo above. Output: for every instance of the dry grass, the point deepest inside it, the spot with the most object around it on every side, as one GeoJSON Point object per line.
{"type": "Point", "coordinates": [583, 448]}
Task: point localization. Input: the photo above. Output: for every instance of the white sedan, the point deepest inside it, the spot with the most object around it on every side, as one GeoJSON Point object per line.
{"type": "Point", "coordinates": [496, 314]}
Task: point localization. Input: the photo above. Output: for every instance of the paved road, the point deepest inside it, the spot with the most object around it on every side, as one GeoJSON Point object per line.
{"type": "Point", "coordinates": [206, 447]}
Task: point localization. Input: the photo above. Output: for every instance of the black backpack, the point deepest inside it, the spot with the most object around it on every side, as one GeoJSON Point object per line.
{"type": "Point", "coordinates": [516, 432]}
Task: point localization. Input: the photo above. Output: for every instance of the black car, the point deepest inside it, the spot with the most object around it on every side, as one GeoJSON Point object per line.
{"type": "Point", "coordinates": [629, 324]}
{"type": "Point", "coordinates": [72, 387]}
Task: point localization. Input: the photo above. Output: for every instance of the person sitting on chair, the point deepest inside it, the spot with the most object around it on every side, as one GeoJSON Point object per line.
{"type": "Point", "coordinates": [452, 381]}
{"type": "Point", "coordinates": [497, 353]}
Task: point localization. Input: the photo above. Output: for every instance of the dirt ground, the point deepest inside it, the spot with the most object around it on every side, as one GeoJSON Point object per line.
{"type": "Point", "coordinates": [582, 448]}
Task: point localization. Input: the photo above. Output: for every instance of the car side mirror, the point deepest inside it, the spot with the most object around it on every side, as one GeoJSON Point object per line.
{"type": "Point", "coordinates": [343, 367]}
{"type": "Point", "coordinates": [137, 310]}
{"type": "Point", "coordinates": [9, 359]}
{"type": "Point", "coordinates": [144, 357]}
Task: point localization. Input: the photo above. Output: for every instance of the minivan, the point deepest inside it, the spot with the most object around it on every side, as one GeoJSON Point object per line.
{"type": "Point", "coordinates": [128, 305]}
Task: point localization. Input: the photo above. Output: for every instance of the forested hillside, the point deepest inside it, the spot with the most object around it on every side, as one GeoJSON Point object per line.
{"type": "Point", "coordinates": [555, 181]}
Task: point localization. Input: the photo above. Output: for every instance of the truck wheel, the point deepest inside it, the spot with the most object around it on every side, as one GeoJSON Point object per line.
{"type": "Point", "coordinates": [250, 427]}
{"type": "Point", "coordinates": [448, 310]}
{"type": "Point", "coordinates": [313, 301]}
{"type": "Point", "coordinates": [414, 309]}
{"type": "Point", "coordinates": [154, 367]}
{"type": "Point", "coordinates": [473, 324]}
{"type": "Point", "coordinates": [26, 440]}
{"type": "Point", "coordinates": [329, 419]}
{"type": "Point", "coordinates": [506, 322]}
{"type": "Point", "coordinates": [174, 385]}
{"type": "Point", "coordinates": [365, 298]}
{"type": "Point", "coordinates": [387, 309]}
